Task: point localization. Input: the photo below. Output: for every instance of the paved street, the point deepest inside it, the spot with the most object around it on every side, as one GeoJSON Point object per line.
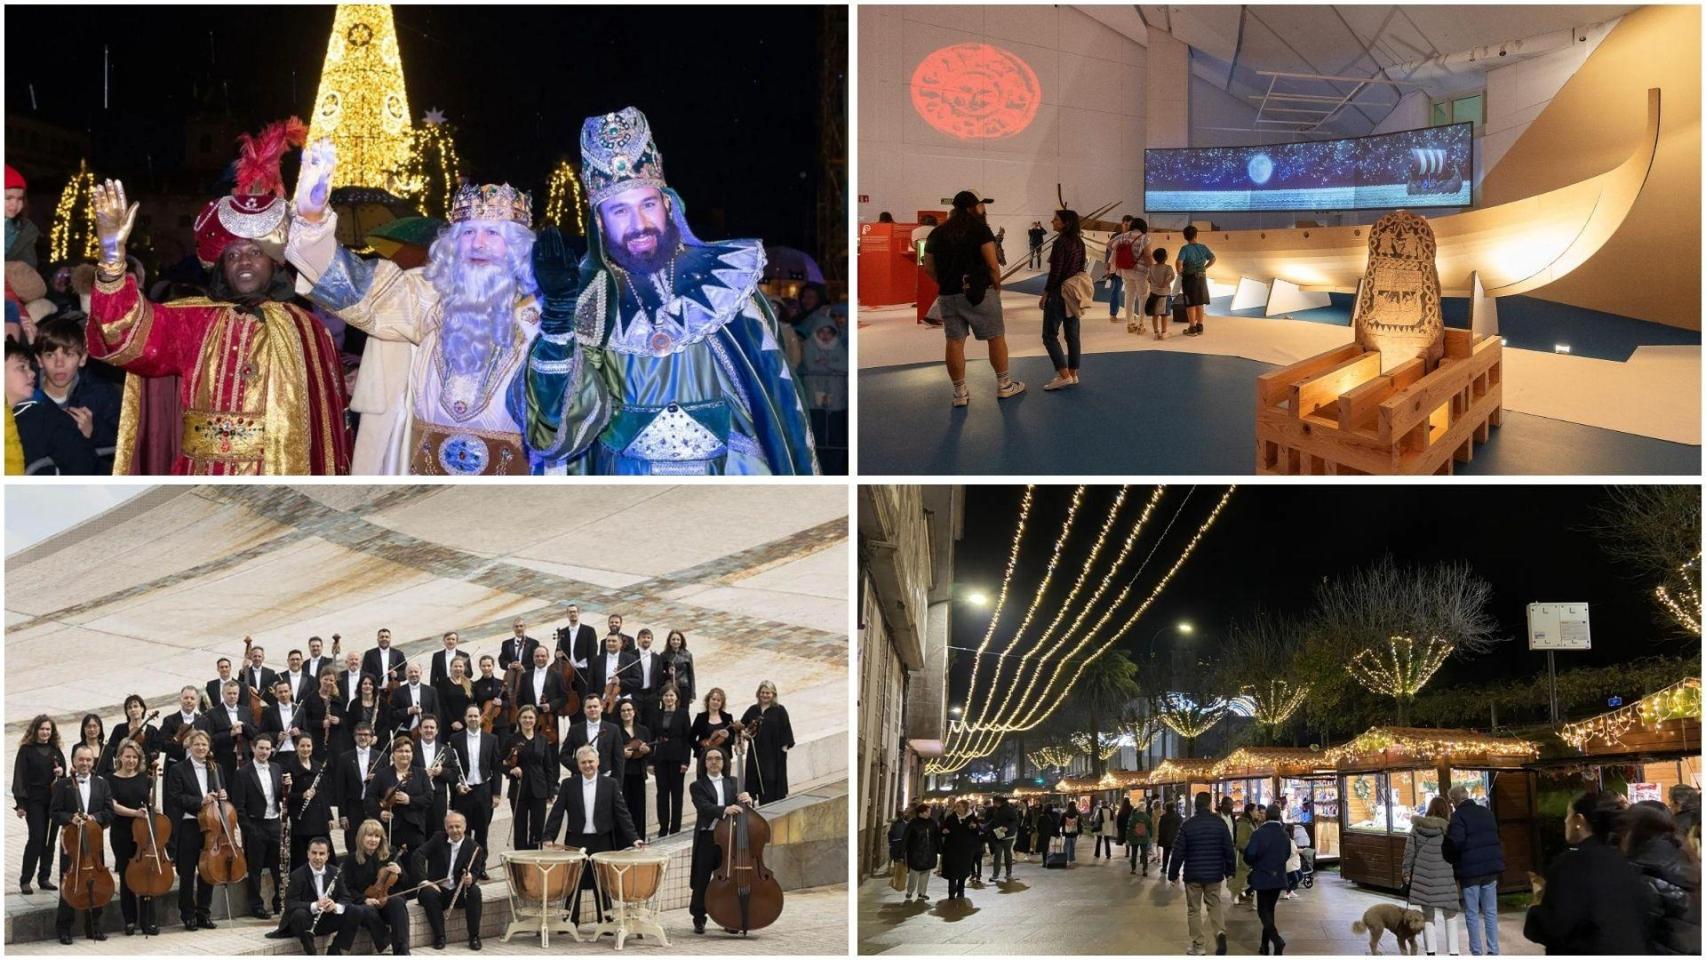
{"type": "Point", "coordinates": [1097, 907]}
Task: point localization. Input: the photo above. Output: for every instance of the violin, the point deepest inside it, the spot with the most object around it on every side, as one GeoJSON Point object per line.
{"type": "Point", "coordinates": [86, 883]}
{"type": "Point", "coordinates": [150, 872]}
{"type": "Point", "coordinates": [222, 859]}
{"type": "Point", "coordinates": [743, 894]}
{"type": "Point", "coordinates": [612, 693]}
{"type": "Point", "coordinates": [635, 747]}
{"type": "Point", "coordinates": [721, 735]}
{"type": "Point", "coordinates": [380, 889]}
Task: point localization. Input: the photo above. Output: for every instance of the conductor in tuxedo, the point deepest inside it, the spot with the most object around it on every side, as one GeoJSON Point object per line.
{"type": "Point", "coordinates": [309, 896]}
{"type": "Point", "coordinates": [75, 799]}
{"type": "Point", "coordinates": [451, 859]}
{"type": "Point", "coordinates": [598, 820]}
{"type": "Point", "coordinates": [714, 798]}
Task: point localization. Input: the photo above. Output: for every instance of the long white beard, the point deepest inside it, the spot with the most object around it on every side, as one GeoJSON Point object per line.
{"type": "Point", "coordinates": [478, 313]}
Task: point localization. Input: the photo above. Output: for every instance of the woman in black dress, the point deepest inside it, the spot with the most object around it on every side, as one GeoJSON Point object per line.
{"type": "Point", "coordinates": [488, 687]}
{"type": "Point", "coordinates": [132, 797]}
{"type": "Point", "coordinates": [39, 763]}
{"type": "Point", "coordinates": [455, 693]}
{"type": "Point", "coordinates": [410, 795]}
{"type": "Point", "coordinates": [368, 707]}
{"type": "Point", "coordinates": [309, 802]}
{"type": "Point", "coordinates": [709, 723]}
{"type": "Point", "coordinates": [131, 727]}
{"type": "Point", "coordinates": [636, 750]}
{"type": "Point", "coordinates": [670, 757]}
{"type": "Point", "coordinates": [767, 758]}
{"type": "Point", "coordinates": [94, 735]}
{"type": "Point", "coordinates": [323, 717]}
{"type": "Point", "coordinates": [531, 764]}
{"type": "Point", "coordinates": [388, 925]}
{"type": "Point", "coordinates": [675, 652]}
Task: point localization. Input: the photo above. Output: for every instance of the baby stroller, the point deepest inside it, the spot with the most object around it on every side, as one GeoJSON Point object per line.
{"type": "Point", "coordinates": [1306, 874]}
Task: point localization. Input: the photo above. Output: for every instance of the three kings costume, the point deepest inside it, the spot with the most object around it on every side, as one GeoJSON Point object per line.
{"type": "Point", "coordinates": [679, 373]}
{"type": "Point", "coordinates": [418, 415]}
{"type": "Point", "coordinates": [259, 384]}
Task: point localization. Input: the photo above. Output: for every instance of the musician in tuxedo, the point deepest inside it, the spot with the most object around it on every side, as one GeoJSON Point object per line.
{"type": "Point", "coordinates": [434, 760]}
{"type": "Point", "coordinates": [518, 647]}
{"type": "Point", "coordinates": [409, 795]}
{"type": "Point", "coordinates": [413, 701]}
{"type": "Point", "coordinates": [441, 660]}
{"type": "Point", "coordinates": [475, 796]}
{"type": "Point", "coordinates": [216, 686]}
{"type": "Point", "coordinates": [597, 820]}
{"type": "Point", "coordinates": [258, 795]}
{"type": "Point", "coordinates": [302, 683]}
{"type": "Point", "coordinates": [232, 728]}
{"type": "Point", "coordinates": [316, 661]}
{"type": "Point", "coordinates": [284, 719]}
{"type": "Point", "coordinates": [451, 860]}
{"type": "Point", "coordinates": [613, 662]}
{"type": "Point", "coordinates": [311, 894]}
{"type": "Point", "coordinates": [173, 724]}
{"type": "Point", "coordinates": [257, 674]}
{"type": "Point", "coordinates": [76, 799]}
{"type": "Point", "coordinates": [615, 625]}
{"type": "Point", "coordinates": [189, 786]}
{"type": "Point", "coordinates": [579, 642]}
{"type": "Point", "coordinates": [382, 661]}
{"type": "Point", "coordinates": [352, 778]}
{"type": "Point", "coordinates": [714, 797]}
{"type": "Point", "coordinates": [650, 672]}
{"type": "Point", "coordinates": [603, 736]}
{"type": "Point", "coordinates": [349, 678]}
{"type": "Point", "coordinates": [309, 803]}
{"type": "Point", "coordinates": [542, 686]}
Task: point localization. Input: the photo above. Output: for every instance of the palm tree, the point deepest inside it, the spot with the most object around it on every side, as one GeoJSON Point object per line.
{"type": "Point", "coordinates": [1107, 684]}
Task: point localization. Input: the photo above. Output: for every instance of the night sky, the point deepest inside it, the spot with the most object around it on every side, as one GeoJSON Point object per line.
{"type": "Point", "coordinates": [1273, 544]}
{"type": "Point", "coordinates": [732, 93]}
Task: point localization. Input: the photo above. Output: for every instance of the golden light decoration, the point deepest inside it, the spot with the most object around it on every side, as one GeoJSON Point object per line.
{"type": "Point", "coordinates": [1273, 703]}
{"type": "Point", "coordinates": [433, 171]}
{"type": "Point", "coordinates": [562, 194]}
{"type": "Point", "coordinates": [1107, 744]}
{"type": "Point", "coordinates": [1006, 580]}
{"type": "Point", "coordinates": [362, 104]}
{"type": "Point", "coordinates": [1052, 757]}
{"type": "Point", "coordinates": [1679, 701]}
{"type": "Point", "coordinates": [1188, 718]}
{"type": "Point", "coordinates": [1684, 607]}
{"type": "Point", "coordinates": [74, 219]}
{"type": "Point", "coordinates": [1429, 744]}
{"type": "Point", "coordinates": [1402, 669]}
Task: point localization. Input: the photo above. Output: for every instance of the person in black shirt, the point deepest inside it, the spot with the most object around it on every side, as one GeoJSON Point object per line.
{"type": "Point", "coordinates": [1036, 235]}
{"type": "Point", "coordinates": [40, 762]}
{"type": "Point", "coordinates": [130, 788]}
{"type": "Point", "coordinates": [961, 257]}
{"type": "Point", "coordinates": [1065, 261]}
{"type": "Point", "coordinates": [670, 759]}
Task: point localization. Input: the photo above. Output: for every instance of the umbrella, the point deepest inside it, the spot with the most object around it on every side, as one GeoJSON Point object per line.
{"type": "Point", "coordinates": [363, 209]}
{"type": "Point", "coordinates": [787, 263]}
{"type": "Point", "coordinates": [406, 241]}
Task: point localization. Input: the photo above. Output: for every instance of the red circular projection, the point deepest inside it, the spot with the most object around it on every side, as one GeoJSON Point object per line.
{"type": "Point", "coordinates": [974, 91]}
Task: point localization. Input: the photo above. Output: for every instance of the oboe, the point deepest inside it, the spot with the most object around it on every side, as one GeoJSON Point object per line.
{"type": "Point", "coordinates": [283, 836]}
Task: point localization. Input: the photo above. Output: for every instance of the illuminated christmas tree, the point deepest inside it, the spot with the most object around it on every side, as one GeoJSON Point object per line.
{"type": "Point", "coordinates": [564, 199]}
{"type": "Point", "coordinates": [433, 171]}
{"type": "Point", "coordinates": [362, 104]}
{"type": "Point", "coordinates": [73, 233]}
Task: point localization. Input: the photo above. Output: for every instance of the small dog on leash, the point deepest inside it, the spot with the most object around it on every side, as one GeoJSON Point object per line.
{"type": "Point", "coordinates": [1405, 924]}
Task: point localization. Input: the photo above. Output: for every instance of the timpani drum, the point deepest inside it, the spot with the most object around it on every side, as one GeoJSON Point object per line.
{"type": "Point", "coordinates": [634, 881]}
{"type": "Point", "coordinates": [540, 882]}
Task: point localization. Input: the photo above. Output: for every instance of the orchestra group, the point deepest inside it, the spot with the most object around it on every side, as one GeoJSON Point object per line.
{"type": "Point", "coordinates": [259, 770]}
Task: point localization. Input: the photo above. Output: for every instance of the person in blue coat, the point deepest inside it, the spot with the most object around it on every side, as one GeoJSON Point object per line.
{"type": "Point", "coordinates": [1478, 858]}
{"type": "Point", "coordinates": [1203, 852]}
{"type": "Point", "coordinates": [1268, 850]}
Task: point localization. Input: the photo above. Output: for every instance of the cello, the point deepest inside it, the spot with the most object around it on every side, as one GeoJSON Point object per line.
{"type": "Point", "coordinates": [86, 884]}
{"type": "Point", "coordinates": [150, 872]}
{"type": "Point", "coordinates": [222, 859]}
{"type": "Point", "coordinates": [743, 894]}
{"type": "Point", "coordinates": [570, 675]}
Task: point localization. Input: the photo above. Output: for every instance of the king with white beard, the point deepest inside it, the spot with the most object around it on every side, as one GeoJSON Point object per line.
{"type": "Point", "coordinates": [439, 384]}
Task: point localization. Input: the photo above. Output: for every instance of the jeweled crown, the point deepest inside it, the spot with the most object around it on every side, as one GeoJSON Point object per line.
{"type": "Point", "coordinates": [617, 154]}
{"type": "Point", "coordinates": [492, 202]}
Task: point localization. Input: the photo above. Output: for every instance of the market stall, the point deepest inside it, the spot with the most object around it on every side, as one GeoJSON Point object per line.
{"type": "Point", "coordinates": [1179, 780]}
{"type": "Point", "coordinates": [1388, 775]}
{"type": "Point", "coordinates": [1652, 744]}
{"type": "Point", "coordinates": [1298, 778]}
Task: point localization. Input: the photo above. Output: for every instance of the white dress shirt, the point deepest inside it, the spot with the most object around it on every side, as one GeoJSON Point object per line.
{"type": "Point", "coordinates": [354, 686]}
{"type": "Point", "coordinates": [589, 799]}
{"type": "Point", "coordinates": [473, 771]}
{"type": "Point", "coordinates": [539, 686]}
{"type": "Point", "coordinates": [83, 788]}
{"type": "Point", "coordinates": [414, 701]}
{"type": "Point", "coordinates": [646, 669]}
{"type": "Point", "coordinates": [450, 871]}
{"type": "Point", "coordinates": [429, 750]}
{"type": "Point", "coordinates": [201, 781]}
{"type": "Point", "coordinates": [361, 760]}
{"type": "Point", "coordinates": [287, 718]}
{"type": "Point", "coordinates": [263, 771]}
{"type": "Point", "coordinates": [574, 628]}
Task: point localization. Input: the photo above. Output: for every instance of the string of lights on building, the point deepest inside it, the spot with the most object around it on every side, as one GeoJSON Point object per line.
{"type": "Point", "coordinates": [1679, 701]}
{"type": "Point", "coordinates": [1006, 579]}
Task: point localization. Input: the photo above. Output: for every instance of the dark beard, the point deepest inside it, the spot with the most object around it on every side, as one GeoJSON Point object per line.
{"type": "Point", "coordinates": [668, 240]}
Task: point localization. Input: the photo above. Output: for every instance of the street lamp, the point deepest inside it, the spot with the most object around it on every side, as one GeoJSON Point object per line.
{"type": "Point", "coordinates": [978, 598]}
{"type": "Point", "coordinates": [1184, 627]}
{"type": "Point", "coordinates": [954, 711]}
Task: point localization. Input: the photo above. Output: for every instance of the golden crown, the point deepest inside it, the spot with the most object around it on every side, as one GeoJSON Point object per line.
{"type": "Point", "coordinates": [492, 202]}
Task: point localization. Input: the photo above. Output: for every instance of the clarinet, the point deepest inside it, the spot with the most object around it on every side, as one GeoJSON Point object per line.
{"type": "Point", "coordinates": [457, 895]}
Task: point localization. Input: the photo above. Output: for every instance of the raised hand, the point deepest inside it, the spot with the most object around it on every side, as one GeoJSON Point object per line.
{"type": "Point", "coordinates": [113, 222]}
{"type": "Point", "coordinates": [557, 274]}
{"type": "Point", "coordinates": [314, 182]}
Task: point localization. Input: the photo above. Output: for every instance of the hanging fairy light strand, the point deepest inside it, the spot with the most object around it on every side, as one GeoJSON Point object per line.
{"type": "Point", "coordinates": [1006, 580]}
{"type": "Point", "coordinates": [1190, 719]}
{"type": "Point", "coordinates": [433, 171]}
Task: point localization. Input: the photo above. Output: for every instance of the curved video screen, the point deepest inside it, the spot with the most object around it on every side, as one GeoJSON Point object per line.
{"type": "Point", "coordinates": [1430, 167]}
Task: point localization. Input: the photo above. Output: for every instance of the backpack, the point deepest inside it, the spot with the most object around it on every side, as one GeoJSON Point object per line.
{"type": "Point", "coordinates": [1140, 830]}
{"type": "Point", "coordinates": [1124, 259]}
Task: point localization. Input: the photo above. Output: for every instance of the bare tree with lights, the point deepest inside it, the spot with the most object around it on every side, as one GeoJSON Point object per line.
{"type": "Point", "coordinates": [1259, 668]}
{"type": "Point", "coordinates": [1655, 532]}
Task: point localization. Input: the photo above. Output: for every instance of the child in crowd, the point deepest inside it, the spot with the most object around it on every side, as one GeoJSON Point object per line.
{"type": "Point", "coordinates": [92, 402]}
{"type": "Point", "coordinates": [1161, 278]}
{"type": "Point", "coordinates": [52, 443]}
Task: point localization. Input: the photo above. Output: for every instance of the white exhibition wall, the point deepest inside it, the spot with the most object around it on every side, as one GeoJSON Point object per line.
{"type": "Point", "coordinates": [1087, 134]}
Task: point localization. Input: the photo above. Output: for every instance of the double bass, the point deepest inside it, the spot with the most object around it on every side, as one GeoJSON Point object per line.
{"type": "Point", "coordinates": [86, 884]}
{"type": "Point", "coordinates": [570, 675]}
{"type": "Point", "coordinates": [150, 872]}
{"type": "Point", "coordinates": [222, 859]}
{"type": "Point", "coordinates": [743, 894]}
{"type": "Point", "coordinates": [251, 696]}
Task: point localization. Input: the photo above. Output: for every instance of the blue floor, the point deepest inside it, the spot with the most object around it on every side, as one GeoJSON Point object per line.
{"type": "Point", "coordinates": [1164, 413]}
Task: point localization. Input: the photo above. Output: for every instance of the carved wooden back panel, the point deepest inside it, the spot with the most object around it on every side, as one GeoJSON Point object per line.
{"type": "Point", "coordinates": [1397, 309]}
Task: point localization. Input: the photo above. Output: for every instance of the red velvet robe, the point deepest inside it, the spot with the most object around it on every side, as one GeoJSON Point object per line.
{"type": "Point", "coordinates": [259, 396]}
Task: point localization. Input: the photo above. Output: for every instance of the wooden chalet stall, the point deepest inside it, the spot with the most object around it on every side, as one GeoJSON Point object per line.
{"type": "Point", "coordinates": [1657, 736]}
{"type": "Point", "coordinates": [1179, 780]}
{"type": "Point", "coordinates": [1388, 774]}
{"type": "Point", "coordinates": [1302, 777]}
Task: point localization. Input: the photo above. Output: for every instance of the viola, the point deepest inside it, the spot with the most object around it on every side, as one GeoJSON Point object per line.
{"type": "Point", "coordinates": [222, 859]}
{"type": "Point", "coordinates": [743, 894]}
{"type": "Point", "coordinates": [86, 883]}
{"type": "Point", "coordinates": [150, 872]}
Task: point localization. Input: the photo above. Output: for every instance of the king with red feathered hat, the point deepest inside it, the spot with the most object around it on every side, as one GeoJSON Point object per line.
{"type": "Point", "coordinates": [259, 387]}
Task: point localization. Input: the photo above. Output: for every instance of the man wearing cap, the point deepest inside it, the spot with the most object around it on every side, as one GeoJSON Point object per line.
{"type": "Point", "coordinates": [260, 386]}
{"type": "Point", "coordinates": [439, 384]}
{"type": "Point", "coordinates": [661, 357]}
{"type": "Point", "coordinates": [960, 256]}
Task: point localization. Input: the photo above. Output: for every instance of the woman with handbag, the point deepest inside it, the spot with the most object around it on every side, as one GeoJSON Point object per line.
{"type": "Point", "coordinates": [1065, 262]}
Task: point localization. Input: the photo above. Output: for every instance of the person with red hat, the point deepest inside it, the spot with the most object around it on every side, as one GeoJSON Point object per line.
{"type": "Point", "coordinates": [260, 383]}
{"type": "Point", "coordinates": [21, 231]}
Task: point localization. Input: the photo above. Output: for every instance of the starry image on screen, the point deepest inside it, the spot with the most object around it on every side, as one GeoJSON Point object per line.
{"type": "Point", "coordinates": [1429, 167]}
